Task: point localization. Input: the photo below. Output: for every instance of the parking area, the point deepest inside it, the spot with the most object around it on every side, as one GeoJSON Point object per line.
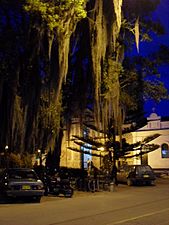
{"type": "Point", "coordinates": [160, 182]}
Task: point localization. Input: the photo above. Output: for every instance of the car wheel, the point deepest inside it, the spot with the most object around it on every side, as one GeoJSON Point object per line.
{"type": "Point", "coordinates": [68, 193]}
{"type": "Point", "coordinates": [153, 183]}
{"type": "Point", "coordinates": [129, 182]}
{"type": "Point", "coordinates": [37, 199]}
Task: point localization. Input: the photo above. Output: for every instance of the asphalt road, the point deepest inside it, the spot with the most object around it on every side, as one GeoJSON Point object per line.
{"type": "Point", "coordinates": [142, 205]}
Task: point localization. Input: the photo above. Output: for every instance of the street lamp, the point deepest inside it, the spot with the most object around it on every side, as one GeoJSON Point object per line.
{"type": "Point", "coordinates": [6, 156]}
{"type": "Point", "coordinates": [40, 157]}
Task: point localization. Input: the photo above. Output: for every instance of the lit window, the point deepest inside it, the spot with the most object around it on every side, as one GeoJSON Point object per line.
{"type": "Point", "coordinates": [165, 150]}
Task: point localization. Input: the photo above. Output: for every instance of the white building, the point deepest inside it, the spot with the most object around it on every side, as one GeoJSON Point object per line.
{"type": "Point", "coordinates": [159, 158]}
{"type": "Point", "coordinates": [75, 159]}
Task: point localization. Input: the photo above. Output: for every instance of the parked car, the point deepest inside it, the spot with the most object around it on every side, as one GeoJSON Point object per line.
{"type": "Point", "coordinates": [136, 174]}
{"type": "Point", "coordinates": [21, 182]}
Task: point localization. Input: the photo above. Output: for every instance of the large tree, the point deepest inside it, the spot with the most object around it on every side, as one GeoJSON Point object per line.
{"type": "Point", "coordinates": [60, 57]}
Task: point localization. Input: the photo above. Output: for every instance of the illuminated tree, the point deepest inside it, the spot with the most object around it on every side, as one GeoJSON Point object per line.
{"type": "Point", "coordinates": [60, 57]}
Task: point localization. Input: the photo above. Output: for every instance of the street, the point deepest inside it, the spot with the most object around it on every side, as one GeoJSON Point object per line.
{"type": "Point", "coordinates": [138, 205]}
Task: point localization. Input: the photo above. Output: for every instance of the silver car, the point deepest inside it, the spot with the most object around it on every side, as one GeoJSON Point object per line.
{"type": "Point", "coordinates": [21, 182]}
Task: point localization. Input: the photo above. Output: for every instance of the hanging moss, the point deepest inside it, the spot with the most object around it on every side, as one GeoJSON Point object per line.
{"type": "Point", "coordinates": [103, 31]}
{"type": "Point", "coordinates": [136, 29]}
{"type": "Point", "coordinates": [99, 42]}
{"type": "Point", "coordinates": [117, 21]}
{"type": "Point", "coordinates": [117, 10]}
{"type": "Point", "coordinates": [111, 92]}
{"type": "Point", "coordinates": [61, 18]}
{"type": "Point", "coordinates": [49, 115]}
{"type": "Point", "coordinates": [18, 124]}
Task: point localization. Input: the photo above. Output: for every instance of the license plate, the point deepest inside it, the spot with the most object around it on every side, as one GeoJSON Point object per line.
{"type": "Point", "coordinates": [146, 176]}
{"type": "Point", "coordinates": [26, 187]}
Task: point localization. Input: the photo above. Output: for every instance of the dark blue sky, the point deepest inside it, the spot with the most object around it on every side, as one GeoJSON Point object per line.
{"type": "Point", "coordinates": [162, 13]}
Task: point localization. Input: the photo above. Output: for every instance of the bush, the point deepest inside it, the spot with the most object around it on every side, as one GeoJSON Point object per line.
{"type": "Point", "coordinates": [19, 160]}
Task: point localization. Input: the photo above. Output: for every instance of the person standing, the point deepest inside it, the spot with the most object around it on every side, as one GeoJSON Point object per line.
{"type": "Point", "coordinates": [114, 175]}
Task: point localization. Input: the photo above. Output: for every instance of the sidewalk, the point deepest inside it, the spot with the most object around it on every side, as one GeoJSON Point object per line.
{"type": "Point", "coordinates": [121, 188]}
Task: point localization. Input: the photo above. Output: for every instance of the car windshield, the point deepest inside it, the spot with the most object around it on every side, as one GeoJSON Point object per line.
{"type": "Point", "coordinates": [22, 174]}
{"type": "Point", "coordinates": [144, 168]}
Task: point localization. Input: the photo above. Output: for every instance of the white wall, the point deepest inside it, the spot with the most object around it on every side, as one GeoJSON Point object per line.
{"type": "Point", "coordinates": [154, 126]}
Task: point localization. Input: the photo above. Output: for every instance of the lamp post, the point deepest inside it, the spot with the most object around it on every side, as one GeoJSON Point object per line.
{"type": "Point", "coordinates": [40, 157]}
{"type": "Point", "coordinates": [6, 156]}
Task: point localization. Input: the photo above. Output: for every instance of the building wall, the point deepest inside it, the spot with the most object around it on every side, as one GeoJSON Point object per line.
{"type": "Point", "coordinates": [154, 126]}
{"type": "Point", "coordinates": [73, 159]}
{"type": "Point", "coordinates": [70, 158]}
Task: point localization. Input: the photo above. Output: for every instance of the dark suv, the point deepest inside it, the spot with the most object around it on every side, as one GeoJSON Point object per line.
{"type": "Point", "coordinates": [136, 174]}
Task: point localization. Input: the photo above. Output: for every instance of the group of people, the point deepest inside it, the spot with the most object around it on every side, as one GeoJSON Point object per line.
{"type": "Point", "coordinates": [92, 170]}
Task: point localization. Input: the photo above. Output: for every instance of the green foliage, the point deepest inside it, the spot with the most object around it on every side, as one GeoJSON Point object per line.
{"type": "Point", "coordinates": [155, 90]}
{"type": "Point", "coordinates": [53, 13]}
{"type": "Point", "coordinates": [22, 50]}
{"type": "Point", "coordinates": [89, 140]}
{"type": "Point", "coordinates": [19, 160]}
{"type": "Point", "coordinates": [141, 81]}
{"type": "Point", "coordinates": [114, 150]}
{"type": "Point", "coordinates": [134, 90]}
{"type": "Point", "coordinates": [107, 164]}
{"type": "Point", "coordinates": [50, 113]}
{"type": "Point", "coordinates": [109, 79]}
{"type": "Point", "coordinates": [129, 90]}
{"type": "Point", "coordinates": [143, 10]}
{"type": "Point", "coordinates": [150, 138]}
{"type": "Point", "coordinates": [128, 101]}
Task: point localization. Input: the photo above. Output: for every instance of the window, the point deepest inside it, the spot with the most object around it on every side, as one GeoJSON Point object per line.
{"type": "Point", "coordinates": [165, 150]}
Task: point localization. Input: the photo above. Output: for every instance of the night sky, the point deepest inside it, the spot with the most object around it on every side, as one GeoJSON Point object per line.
{"type": "Point", "coordinates": [162, 13]}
